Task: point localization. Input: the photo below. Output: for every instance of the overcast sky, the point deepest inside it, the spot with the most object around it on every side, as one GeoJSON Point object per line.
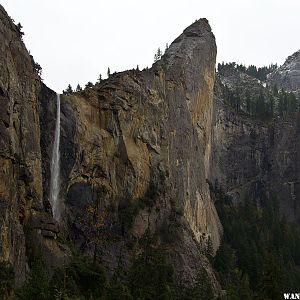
{"type": "Point", "coordinates": [74, 41]}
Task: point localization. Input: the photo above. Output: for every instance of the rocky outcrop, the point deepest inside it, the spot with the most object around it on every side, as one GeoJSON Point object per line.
{"type": "Point", "coordinates": [140, 133]}
{"type": "Point", "coordinates": [136, 152]}
{"type": "Point", "coordinates": [20, 155]}
{"type": "Point", "coordinates": [21, 176]}
{"type": "Point", "coordinates": [142, 138]}
{"type": "Point", "coordinates": [253, 158]}
{"type": "Point", "coordinates": [287, 76]}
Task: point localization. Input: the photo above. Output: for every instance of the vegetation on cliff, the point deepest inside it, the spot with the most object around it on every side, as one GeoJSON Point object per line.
{"type": "Point", "coordinates": [260, 253]}
{"type": "Point", "coordinates": [136, 122]}
{"type": "Point", "coordinates": [6, 280]}
{"type": "Point", "coordinates": [251, 97]}
{"type": "Point", "coordinates": [150, 276]}
{"type": "Point", "coordinates": [260, 73]}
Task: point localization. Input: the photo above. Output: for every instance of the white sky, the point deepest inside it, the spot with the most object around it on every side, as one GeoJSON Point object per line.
{"type": "Point", "coordinates": [74, 41]}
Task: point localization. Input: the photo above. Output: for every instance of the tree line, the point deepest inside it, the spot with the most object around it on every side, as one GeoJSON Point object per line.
{"type": "Point", "coordinates": [259, 257]}
{"type": "Point", "coordinates": [147, 274]}
{"type": "Point", "coordinates": [259, 73]}
{"type": "Point", "coordinates": [264, 104]}
{"type": "Point", "coordinates": [150, 276]}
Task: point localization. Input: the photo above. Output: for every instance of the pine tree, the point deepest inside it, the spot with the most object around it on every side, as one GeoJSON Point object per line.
{"type": "Point", "coordinates": [271, 281]}
{"type": "Point", "coordinates": [7, 280]}
{"type": "Point", "coordinates": [151, 266]}
{"type": "Point", "coordinates": [158, 55]}
{"type": "Point", "coordinates": [69, 89]}
{"type": "Point", "coordinates": [99, 78]}
{"type": "Point", "coordinates": [38, 69]}
{"type": "Point", "coordinates": [89, 85]}
{"type": "Point", "coordinates": [209, 249]}
{"type": "Point", "coordinates": [19, 28]}
{"type": "Point", "coordinates": [248, 103]}
{"type": "Point", "coordinates": [272, 105]}
{"type": "Point", "coordinates": [280, 104]}
{"type": "Point", "coordinates": [78, 88]}
{"type": "Point", "coordinates": [117, 288]}
{"type": "Point", "coordinates": [108, 72]}
{"type": "Point", "coordinates": [275, 90]}
{"type": "Point", "coordinates": [292, 105]}
{"type": "Point", "coordinates": [167, 47]}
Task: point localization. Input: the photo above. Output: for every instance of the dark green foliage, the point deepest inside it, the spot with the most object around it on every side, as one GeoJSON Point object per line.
{"type": "Point", "coordinates": [19, 28]}
{"type": "Point", "coordinates": [258, 251]}
{"type": "Point", "coordinates": [258, 73]}
{"type": "Point", "coordinates": [239, 287]}
{"type": "Point", "coordinates": [151, 276]}
{"type": "Point", "coordinates": [150, 197]}
{"type": "Point", "coordinates": [118, 288]}
{"type": "Point", "coordinates": [232, 97]}
{"type": "Point", "coordinates": [209, 252]}
{"type": "Point", "coordinates": [7, 278]}
{"type": "Point", "coordinates": [128, 209]}
{"type": "Point", "coordinates": [80, 279]}
{"type": "Point", "coordinates": [271, 284]}
{"type": "Point", "coordinates": [148, 274]}
{"type": "Point", "coordinates": [259, 103]}
{"type": "Point", "coordinates": [37, 286]}
{"type": "Point", "coordinates": [38, 69]}
{"type": "Point", "coordinates": [68, 90]}
{"type": "Point", "coordinates": [225, 260]}
{"type": "Point", "coordinates": [87, 275]}
{"type": "Point", "coordinates": [89, 85]}
{"type": "Point", "coordinates": [201, 289]}
{"type": "Point", "coordinates": [260, 106]}
{"type": "Point", "coordinates": [264, 105]}
{"type": "Point", "coordinates": [157, 55]}
{"type": "Point", "coordinates": [78, 88]}
{"type": "Point", "coordinates": [167, 47]}
{"type": "Point", "coordinates": [287, 103]}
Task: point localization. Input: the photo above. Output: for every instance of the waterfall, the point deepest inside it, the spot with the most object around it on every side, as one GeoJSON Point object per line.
{"type": "Point", "coordinates": [55, 168]}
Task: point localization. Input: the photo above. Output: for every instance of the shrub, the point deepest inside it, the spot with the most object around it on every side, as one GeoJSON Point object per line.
{"type": "Point", "coordinates": [7, 277]}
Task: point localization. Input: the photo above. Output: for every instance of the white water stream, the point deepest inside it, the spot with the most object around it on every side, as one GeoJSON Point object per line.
{"type": "Point", "coordinates": [55, 168]}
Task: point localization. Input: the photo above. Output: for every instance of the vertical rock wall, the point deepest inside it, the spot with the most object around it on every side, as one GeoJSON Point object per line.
{"type": "Point", "coordinates": [20, 154]}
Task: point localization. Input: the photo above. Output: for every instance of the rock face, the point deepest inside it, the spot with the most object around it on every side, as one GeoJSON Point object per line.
{"type": "Point", "coordinates": [20, 154]}
{"type": "Point", "coordinates": [287, 76]}
{"type": "Point", "coordinates": [136, 152]}
{"type": "Point", "coordinates": [21, 177]}
{"type": "Point", "coordinates": [146, 132]}
{"type": "Point", "coordinates": [139, 137]}
{"type": "Point", "coordinates": [256, 159]}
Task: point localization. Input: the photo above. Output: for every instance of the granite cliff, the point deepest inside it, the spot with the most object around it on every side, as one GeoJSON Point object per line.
{"type": "Point", "coordinates": [20, 152]}
{"type": "Point", "coordinates": [139, 134]}
{"type": "Point", "coordinates": [257, 157]}
{"type": "Point", "coordinates": [287, 76]}
{"type": "Point", "coordinates": [21, 193]}
{"type": "Point", "coordinates": [136, 148]}
{"type": "Point", "coordinates": [138, 151]}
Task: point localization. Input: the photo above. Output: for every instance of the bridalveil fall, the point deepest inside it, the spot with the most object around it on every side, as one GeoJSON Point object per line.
{"type": "Point", "coordinates": [55, 167]}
